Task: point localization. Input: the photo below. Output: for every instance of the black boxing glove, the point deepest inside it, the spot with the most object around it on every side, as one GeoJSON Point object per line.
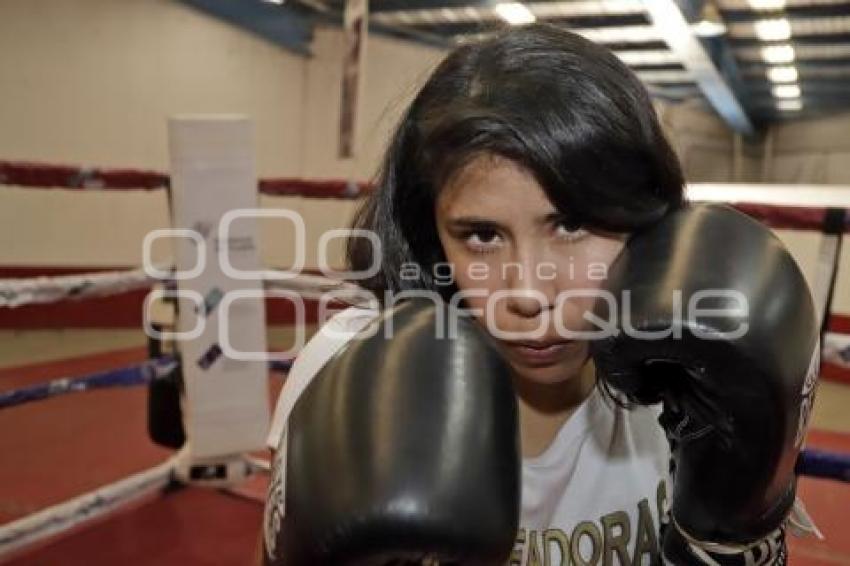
{"type": "Point", "coordinates": [714, 319]}
{"type": "Point", "coordinates": [402, 450]}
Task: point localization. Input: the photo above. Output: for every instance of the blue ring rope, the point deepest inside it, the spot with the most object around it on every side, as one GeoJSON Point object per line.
{"type": "Point", "coordinates": [131, 376]}
{"type": "Point", "coordinates": [812, 463]}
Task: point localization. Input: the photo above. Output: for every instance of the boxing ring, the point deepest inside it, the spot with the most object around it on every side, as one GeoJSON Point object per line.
{"type": "Point", "coordinates": [156, 501]}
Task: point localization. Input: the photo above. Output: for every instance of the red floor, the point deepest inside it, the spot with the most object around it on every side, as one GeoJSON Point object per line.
{"type": "Point", "coordinates": [60, 447]}
{"type": "Point", "coordinates": [829, 504]}
{"type": "Point", "coordinates": [55, 449]}
{"type": "Point", "coordinates": [191, 526]}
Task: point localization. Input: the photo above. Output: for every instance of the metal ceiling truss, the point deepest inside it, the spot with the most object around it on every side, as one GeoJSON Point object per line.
{"type": "Point", "coordinates": [654, 37]}
{"type": "Point", "coordinates": [286, 26]}
{"type": "Point", "coordinates": [820, 39]}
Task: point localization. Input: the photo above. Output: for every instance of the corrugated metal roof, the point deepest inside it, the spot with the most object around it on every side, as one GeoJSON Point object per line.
{"type": "Point", "coordinates": [731, 71]}
{"type": "Point", "coordinates": [818, 35]}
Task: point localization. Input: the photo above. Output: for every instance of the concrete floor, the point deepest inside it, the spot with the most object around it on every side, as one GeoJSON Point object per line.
{"type": "Point", "coordinates": [832, 406]}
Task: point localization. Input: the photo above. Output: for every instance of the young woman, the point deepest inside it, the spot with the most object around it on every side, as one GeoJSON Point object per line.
{"type": "Point", "coordinates": [516, 175]}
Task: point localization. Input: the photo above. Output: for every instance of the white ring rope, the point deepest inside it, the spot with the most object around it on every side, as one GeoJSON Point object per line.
{"type": "Point", "coordinates": [44, 290]}
{"type": "Point", "coordinates": [64, 516]}
{"type": "Point", "coordinates": [837, 196]}
{"type": "Point", "coordinates": [320, 287]}
{"type": "Point", "coordinates": [41, 290]}
{"type": "Point", "coordinates": [836, 349]}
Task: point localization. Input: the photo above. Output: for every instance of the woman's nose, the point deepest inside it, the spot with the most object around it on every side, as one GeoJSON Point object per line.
{"type": "Point", "coordinates": [530, 291]}
{"type": "Point", "coordinates": [527, 304]}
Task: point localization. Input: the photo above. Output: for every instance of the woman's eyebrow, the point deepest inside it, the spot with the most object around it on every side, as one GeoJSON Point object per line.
{"type": "Point", "coordinates": [552, 217]}
{"type": "Point", "coordinates": [480, 222]}
{"type": "Point", "coordinates": [474, 221]}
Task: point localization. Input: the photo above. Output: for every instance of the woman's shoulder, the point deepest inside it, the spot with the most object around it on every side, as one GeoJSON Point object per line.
{"type": "Point", "coordinates": [351, 318]}
{"type": "Point", "coordinates": [334, 333]}
{"type": "Point", "coordinates": [330, 338]}
{"type": "Point", "coordinates": [638, 435]}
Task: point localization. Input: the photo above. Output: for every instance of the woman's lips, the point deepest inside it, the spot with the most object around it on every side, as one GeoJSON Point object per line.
{"type": "Point", "coordinates": [539, 354]}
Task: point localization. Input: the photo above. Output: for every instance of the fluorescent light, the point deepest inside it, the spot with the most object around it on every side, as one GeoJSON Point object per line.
{"type": "Point", "coordinates": [514, 13]}
{"type": "Point", "coordinates": [773, 30]}
{"type": "Point", "coordinates": [707, 28]}
{"type": "Point", "coordinates": [279, 2]}
{"type": "Point", "coordinates": [767, 4]}
{"type": "Point", "coordinates": [791, 105]}
{"type": "Point", "coordinates": [783, 74]}
{"type": "Point", "coordinates": [786, 91]}
{"type": "Point", "coordinates": [778, 54]}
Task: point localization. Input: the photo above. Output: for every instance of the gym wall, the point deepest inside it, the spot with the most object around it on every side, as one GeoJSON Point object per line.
{"type": "Point", "coordinates": [92, 82]}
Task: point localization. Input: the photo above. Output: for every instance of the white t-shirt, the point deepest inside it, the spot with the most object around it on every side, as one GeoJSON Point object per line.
{"type": "Point", "coordinates": [595, 495]}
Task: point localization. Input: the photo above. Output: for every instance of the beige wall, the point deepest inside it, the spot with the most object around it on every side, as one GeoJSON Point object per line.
{"type": "Point", "coordinates": [703, 143]}
{"type": "Point", "coordinates": [813, 151]}
{"type": "Point", "coordinates": [804, 246]}
{"type": "Point", "coordinates": [801, 151]}
{"type": "Point", "coordinates": [92, 82]}
{"type": "Point", "coordinates": [394, 71]}
{"type": "Point", "coordinates": [810, 151]}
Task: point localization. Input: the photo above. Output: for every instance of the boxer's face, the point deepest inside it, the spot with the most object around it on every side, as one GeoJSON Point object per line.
{"type": "Point", "coordinates": [510, 247]}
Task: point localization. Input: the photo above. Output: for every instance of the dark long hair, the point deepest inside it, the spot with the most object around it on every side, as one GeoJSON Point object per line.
{"type": "Point", "coordinates": [561, 106]}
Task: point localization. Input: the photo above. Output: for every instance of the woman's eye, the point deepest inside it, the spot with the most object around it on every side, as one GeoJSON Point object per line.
{"type": "Point", "coordinates": [482, 240]}
{"type": "Point", "coordinates": [570, 232]}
